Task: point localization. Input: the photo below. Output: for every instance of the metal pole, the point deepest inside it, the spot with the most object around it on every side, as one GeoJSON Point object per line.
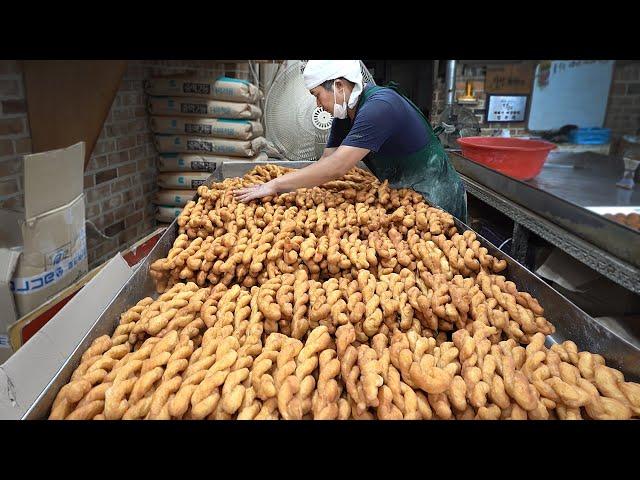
{"type": "Point", "coordinates": [450, 82]}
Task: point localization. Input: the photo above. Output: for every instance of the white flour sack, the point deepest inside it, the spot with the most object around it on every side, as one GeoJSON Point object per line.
{"type": "Point", "coordinates": [173, 198]}
{"type": "Point", "coordinates": [208, 145]}
{"type": "Point", "coordinates": [222, 88]}
{"type": "Point", "coordinates": [182, 180]}
{"type": "Point", "coordinates": [202, 107]}
{"type": "Point", "coordinates": [215, 127]}
{"type": "Point", "coordinates": [187, 162]}
{"type": "Point", "coordinates": [167, 214]}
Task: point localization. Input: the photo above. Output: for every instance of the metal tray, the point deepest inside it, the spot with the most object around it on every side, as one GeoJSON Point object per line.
{"type": "Point", "coordinates": [570, 322]}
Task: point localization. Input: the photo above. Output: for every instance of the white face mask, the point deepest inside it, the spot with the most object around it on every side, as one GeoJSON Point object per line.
{"type": "Point", "coordinates": [339, 111]}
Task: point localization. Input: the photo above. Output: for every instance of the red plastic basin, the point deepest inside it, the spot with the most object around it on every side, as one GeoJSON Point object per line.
{"type": "Point", "coordinates": [517, 157]}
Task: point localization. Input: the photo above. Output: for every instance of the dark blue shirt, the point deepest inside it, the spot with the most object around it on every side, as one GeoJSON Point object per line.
{"type": "Point", "coordinates": [386, 123]}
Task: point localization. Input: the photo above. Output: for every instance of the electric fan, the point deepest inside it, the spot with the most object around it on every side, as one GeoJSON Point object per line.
{"type": "Point", "coordinates": [294, 125]}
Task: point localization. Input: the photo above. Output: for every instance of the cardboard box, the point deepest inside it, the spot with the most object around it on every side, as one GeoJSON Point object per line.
{"type": "Point", "coordinates": [51, 252]}
{"type": "Point", "coordinates": [8, 261]}
{"type": "Point", "coordinates": [26, 327]}
{"type": "Point", "coordinates": [26, 374]}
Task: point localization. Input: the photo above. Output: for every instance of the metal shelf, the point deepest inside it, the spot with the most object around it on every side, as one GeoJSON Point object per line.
{"type": "Point", "coordinates": [553, 205]}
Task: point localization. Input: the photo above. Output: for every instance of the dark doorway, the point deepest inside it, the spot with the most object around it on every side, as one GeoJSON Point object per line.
{"type": "Point", "coordinates": [414, 77]}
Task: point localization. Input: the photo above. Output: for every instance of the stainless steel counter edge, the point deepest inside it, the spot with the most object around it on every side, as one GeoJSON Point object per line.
{"type": "Point", "coordinates": [616, 239]}
{"type": "Point", "coordinates": [622, 273]}
{"type": "Point", "coordinates": [571, 322]}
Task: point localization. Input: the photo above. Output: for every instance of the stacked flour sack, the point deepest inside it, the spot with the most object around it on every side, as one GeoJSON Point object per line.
{"type": "Point", "coordinates": [197, 125]}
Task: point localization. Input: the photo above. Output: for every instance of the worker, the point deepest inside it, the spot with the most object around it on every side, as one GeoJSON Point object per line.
{"type": "Point", "coordinates": [375, 124]}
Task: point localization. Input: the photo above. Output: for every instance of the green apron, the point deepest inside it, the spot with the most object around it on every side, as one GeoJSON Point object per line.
{"type": "Point", "coordinates": [428, 171]}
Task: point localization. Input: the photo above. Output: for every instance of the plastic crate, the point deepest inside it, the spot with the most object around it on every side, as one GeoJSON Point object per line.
{"type": "Point", "coordinates": [590, 136]}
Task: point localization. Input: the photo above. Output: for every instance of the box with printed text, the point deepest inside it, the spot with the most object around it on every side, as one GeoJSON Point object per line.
{"type": "Point", "coordinates": [44, 250]}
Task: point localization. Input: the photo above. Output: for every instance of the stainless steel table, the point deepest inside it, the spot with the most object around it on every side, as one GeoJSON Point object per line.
{"type": "Point", "coordinates": [553, 206]}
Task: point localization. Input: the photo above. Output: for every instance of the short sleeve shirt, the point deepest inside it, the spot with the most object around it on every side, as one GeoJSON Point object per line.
{"type": "Point", "coordinates": [385, 123]}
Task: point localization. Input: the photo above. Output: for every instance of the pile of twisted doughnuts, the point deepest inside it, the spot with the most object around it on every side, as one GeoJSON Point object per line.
{"type": "Point", "coordinates": [631, 220]}
{"type": "Point", "coordinates": [348, 301]}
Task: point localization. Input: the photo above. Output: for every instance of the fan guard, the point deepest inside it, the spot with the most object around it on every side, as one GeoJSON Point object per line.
{"type": "Point", "coordinates": [294, 124]}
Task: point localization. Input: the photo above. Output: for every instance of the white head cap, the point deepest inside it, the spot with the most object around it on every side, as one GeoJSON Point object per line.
{"type": "Point", "coordinates": [317, 72]}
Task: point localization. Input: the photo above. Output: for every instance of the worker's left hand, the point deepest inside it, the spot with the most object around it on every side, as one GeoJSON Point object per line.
{"type": "Point", "coordinates": [255, 191]}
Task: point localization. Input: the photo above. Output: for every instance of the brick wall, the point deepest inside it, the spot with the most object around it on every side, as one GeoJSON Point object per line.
{"type": "Point", "coordinates": [476, 74]}
{"type": "Point", "coordinates": [120, 178]}
{"type": "Point", "coordinates": [15, 138]}
{"type": "Point", "coordinates": [623, 110]}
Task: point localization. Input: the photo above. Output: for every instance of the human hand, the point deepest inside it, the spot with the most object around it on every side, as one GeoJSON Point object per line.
{"type": "Point", "coordinates": [255, 191]}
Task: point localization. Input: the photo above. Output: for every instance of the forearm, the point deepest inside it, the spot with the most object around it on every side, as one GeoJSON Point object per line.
{"type": "Point", "coordinates": [316, 174]}
{"type": "Point", "coordinates": [327, 151]}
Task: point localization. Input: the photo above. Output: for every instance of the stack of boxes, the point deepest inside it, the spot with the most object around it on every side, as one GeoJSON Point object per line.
{"type": "Point", "coordinates": [198, 124]}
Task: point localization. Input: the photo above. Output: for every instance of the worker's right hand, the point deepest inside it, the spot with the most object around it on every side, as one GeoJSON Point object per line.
{"type": "Point", "coordinates": [255, 191]}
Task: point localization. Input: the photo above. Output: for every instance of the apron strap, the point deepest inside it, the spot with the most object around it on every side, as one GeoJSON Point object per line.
{"type": "Point", "coordinates": [428, 171]}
